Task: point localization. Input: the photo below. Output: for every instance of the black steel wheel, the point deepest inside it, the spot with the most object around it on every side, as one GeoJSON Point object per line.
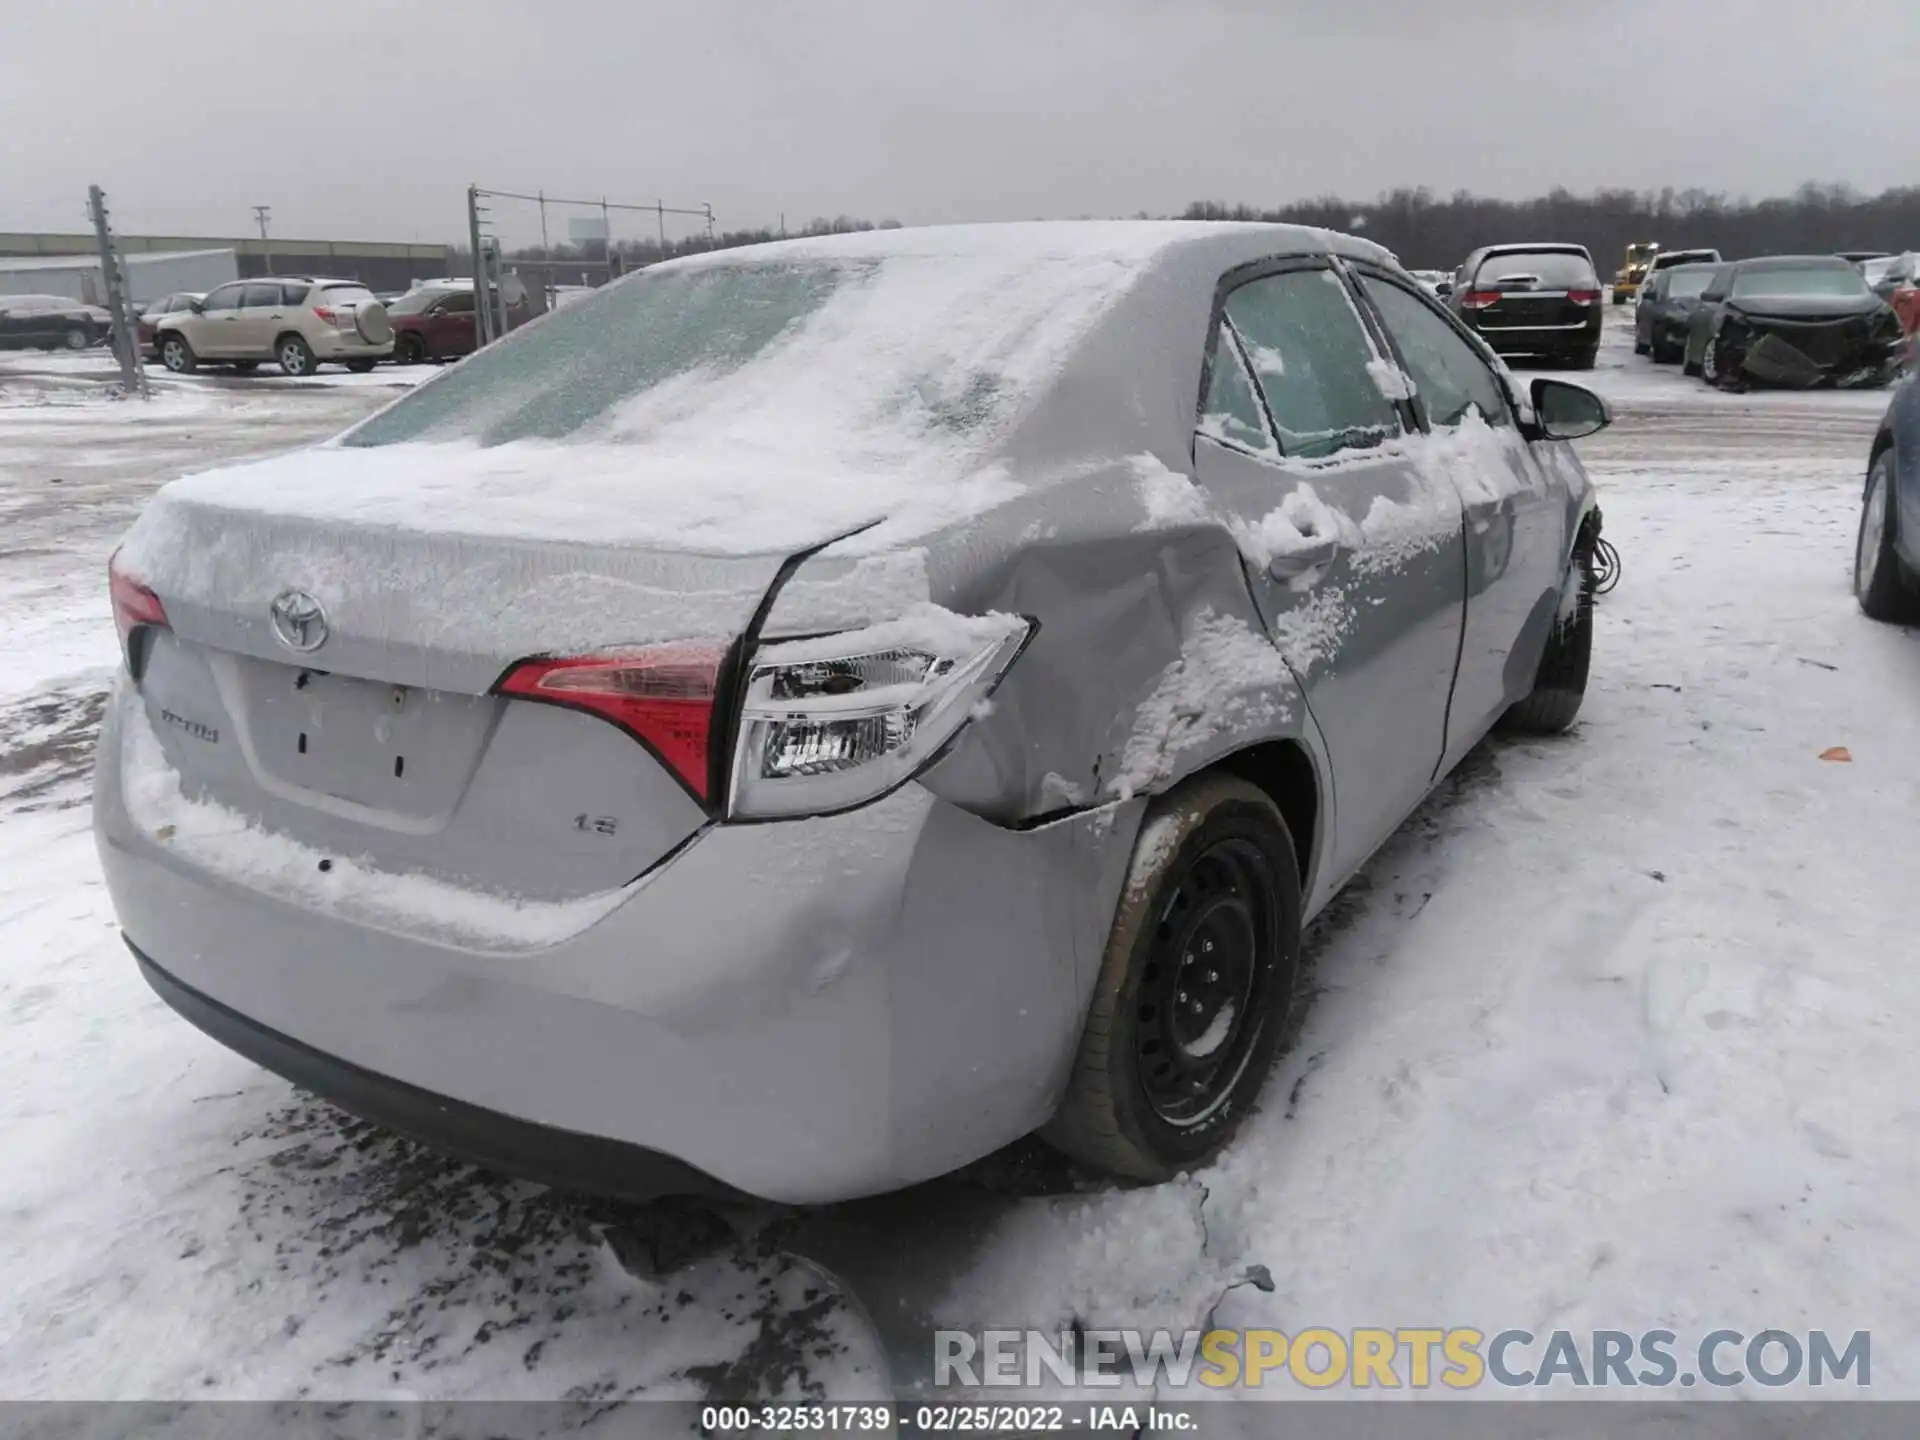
{"type": "Point", "coordinates": [1206, 980]}
{"type": "Point", "coordinates": [1195, 987]}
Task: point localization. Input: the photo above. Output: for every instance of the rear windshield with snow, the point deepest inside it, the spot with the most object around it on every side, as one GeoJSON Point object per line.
{"type": "Point", "coordinates": [864, 360]}
{"type": "Point", "coordinates": [1550, 270]}
{"type": "Point", "coordinates": [1837, 281]}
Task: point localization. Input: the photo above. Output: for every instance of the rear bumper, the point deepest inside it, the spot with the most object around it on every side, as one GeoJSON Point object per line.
{"type": "Point", "coordinates": [586, 1163]}
{"type": "Point", "coordinates": [802, 1011]}
{"type": "Point", "coordinates": [1543, 340]}
{"type": "Point", "coordinates": [345, 345]}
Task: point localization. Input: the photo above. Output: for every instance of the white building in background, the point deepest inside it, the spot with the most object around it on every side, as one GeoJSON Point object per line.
{"type": "Point", "coordinates": [150, 274]}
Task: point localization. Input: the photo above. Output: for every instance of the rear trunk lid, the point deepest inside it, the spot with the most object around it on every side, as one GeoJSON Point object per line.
{"type": "Point", "coordinates": [332, 681]}
{"type": "Point", "coordinates": [356, 311]}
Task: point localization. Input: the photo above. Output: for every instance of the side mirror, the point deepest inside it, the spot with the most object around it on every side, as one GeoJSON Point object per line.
{"type": "Point", "coordinates": [198, 307]}
{"type": "Point", "coordinates": [1569, 412]}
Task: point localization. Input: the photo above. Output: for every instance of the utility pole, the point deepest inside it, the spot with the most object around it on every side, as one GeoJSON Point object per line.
{"type": "Point", "coordinates": [264, 213]}
{"type": "Point", "coordinates": [126, 334]}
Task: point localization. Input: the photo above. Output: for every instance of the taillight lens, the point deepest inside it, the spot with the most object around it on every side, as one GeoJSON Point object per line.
{"type": "Point", "coordinates": [834, 723]}
{"type": "Point", "coordinates": [661, 694]}
{"type": "Point", "coordinates": [1479, 299]}
{"type": "Point", "coordinates": [134, 604]}
{"type": "Point", "coordinates": [825, 725]}
{"type": "Point", "coordinates": [1583, 297]}
{"type": "Point", "coordinates": [325, 312]}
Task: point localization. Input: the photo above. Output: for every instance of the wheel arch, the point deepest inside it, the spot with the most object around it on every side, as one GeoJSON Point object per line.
{"type": "Point", "coordinates": [1882, 443]}
{"type": "Point", "coordinates": [1286, 772]}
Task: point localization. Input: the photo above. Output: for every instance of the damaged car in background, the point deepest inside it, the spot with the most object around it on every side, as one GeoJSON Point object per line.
{"type": "Point", "coordinates": [1793, 320]}
{"type": "Point", "coordinates": [809, 715]}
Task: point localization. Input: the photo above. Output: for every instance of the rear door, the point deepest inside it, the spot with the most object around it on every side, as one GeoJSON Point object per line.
{"type": "Point", "coordinates": [1354, 554]}
{"type": "Point", "coordinates": [1516, 519]}
{"type": "Point", "coordinates": [262, 313]}
{"type": "Point", "coordinates": [214, 333]}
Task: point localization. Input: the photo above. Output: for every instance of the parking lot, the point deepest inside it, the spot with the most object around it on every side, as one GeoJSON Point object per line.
{"type": "Point", "coordinates": [1617, 1023]}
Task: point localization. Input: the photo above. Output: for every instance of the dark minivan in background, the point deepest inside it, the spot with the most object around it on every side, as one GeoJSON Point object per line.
{"type": "Point", "coordinates": [1538, 299]}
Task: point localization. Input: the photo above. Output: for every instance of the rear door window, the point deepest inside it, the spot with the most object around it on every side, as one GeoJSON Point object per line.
{"type": "Point", "coordinates": [1309, 356]}
{"type": "Point", "coordinates": [1232, 413]}
{"type": "Point", "coordinates": [262, 296]}
{"type": "Point", "coordinates": [1449, 377]}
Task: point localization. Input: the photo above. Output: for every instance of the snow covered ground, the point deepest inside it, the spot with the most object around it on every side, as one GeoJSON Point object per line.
{"type": "Point", "coordinates": [1617, 1032]}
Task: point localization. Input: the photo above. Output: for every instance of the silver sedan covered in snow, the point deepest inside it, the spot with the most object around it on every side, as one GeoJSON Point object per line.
{"type": "Point", "coordinates": [809, 715]}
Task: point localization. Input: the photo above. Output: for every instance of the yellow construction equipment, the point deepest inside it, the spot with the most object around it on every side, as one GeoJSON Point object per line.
{"type": "Point", "coordinates": [1626, 282]}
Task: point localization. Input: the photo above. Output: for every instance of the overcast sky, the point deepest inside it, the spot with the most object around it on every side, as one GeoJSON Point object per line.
{"type": "Point", "coordinates": [367, 118]}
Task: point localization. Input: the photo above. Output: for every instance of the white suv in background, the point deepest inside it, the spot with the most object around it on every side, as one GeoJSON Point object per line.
{"type": "Point", "coordinates": [298, 323]}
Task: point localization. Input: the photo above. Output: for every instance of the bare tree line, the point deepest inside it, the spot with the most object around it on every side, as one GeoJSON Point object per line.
{"type": "Point", "coordinates": [1430, 233]}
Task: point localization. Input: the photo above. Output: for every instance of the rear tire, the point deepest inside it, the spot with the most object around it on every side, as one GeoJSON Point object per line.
{"type": "Point", "coordinates": [410, 349]}
{"type": "Point", "coordinates": [295, 356]}
{"type": "Point", "coordinates": [1882, 584]}
{"type": "Point", "coordinates": [177, 355]}
{"type": "Point", "coordinates": [1206, 938]}
{"type": "Point", "coordinates": [76, 339]}
{"type": "Point", "coordinates": [1560, 684]}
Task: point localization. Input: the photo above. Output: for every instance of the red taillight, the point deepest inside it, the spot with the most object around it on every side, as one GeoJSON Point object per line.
{"type": "Point", "coordinates": [1583, 297]}
{"type": "Point", "coordinates": [324, 312]}
{"type": "Point", "coordinates": [662, 694]}
{"type": "Point", "coordinates": [134, 604]}
{"type": "Point", "coordinates": [1479, 299]}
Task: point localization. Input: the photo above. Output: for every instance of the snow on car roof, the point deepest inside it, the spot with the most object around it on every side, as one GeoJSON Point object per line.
{"type": "Point", "coordinates": [889, 374]}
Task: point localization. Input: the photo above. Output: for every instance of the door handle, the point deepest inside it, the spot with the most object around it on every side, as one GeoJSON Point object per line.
{"type": "Point", "coordinates": [1295, 563]}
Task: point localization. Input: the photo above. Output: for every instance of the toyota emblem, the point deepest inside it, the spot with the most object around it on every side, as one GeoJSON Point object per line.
{"type": "Point", "coordinates": [298, 620]}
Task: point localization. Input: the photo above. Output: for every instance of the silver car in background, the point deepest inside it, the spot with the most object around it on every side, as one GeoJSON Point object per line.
{"type": "Point", "coordinates": [809, 715]}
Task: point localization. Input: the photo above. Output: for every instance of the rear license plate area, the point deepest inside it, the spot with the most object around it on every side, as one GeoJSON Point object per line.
{"type": "Point", "coordinates": [393, 748]}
